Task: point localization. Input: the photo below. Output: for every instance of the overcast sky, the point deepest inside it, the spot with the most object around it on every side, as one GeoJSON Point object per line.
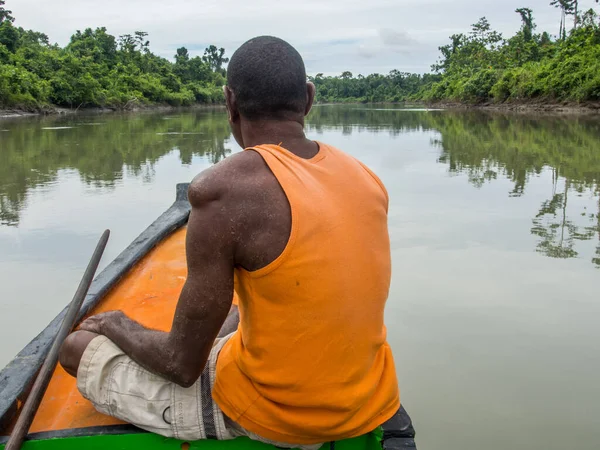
{"type": "Point", "coordinates": [363, 36]}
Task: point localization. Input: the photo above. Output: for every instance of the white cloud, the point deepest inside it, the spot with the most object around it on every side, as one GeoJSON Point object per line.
{"type": "Point", "coordinates": [396, 39]}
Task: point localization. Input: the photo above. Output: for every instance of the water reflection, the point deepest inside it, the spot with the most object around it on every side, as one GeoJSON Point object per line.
{"type": "Point", "coordinates": [486, 146]}
{"type": "Point", "coordinates": [475, 318]}
{"type": "Point", "coordinates": [100, 148]}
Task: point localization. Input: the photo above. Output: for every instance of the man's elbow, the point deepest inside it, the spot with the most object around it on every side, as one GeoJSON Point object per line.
{"type": "Point", "coordinates": [185, 381]}
{"type": "Point", "coordinates": [186, 376]}
{"type": "Point", "coordinates": [186, 364]}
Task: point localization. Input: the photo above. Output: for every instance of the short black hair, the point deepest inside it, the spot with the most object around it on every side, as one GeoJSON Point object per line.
{"type": "Point", "coordinates": [268, 78]}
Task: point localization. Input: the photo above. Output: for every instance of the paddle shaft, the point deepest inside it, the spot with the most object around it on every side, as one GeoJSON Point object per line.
{"type": "Point", "coordinates": [41, 383]}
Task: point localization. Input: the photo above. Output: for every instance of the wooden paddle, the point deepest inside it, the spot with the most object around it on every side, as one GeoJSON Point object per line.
{"type": "Point", "coordinates": [41, 383]}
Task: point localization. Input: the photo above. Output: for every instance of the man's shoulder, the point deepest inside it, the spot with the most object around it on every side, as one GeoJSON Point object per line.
{"type": "Point", "coordinates": [237, 175]}
{"type": "Point", "coordinates": [371, 177]}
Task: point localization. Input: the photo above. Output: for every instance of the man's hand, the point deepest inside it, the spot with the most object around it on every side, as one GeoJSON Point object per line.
{"type": "Point", "coordinates": [98, 323]}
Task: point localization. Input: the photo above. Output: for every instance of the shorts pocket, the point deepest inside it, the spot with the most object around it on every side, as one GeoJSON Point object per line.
{"type": "Point", "coordinates": [140, 398]}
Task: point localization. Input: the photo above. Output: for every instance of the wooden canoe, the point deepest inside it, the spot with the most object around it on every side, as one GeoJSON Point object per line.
{"type": "Point", "coordinates": [144, 281]}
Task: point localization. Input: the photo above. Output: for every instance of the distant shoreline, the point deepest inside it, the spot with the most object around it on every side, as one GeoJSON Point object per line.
{"type": "Point", "coordinates": [527, 106]}
{"type": "Point", "coordinates": [11, 113]}
{"type": "Point", "coordinates": [524, 107]}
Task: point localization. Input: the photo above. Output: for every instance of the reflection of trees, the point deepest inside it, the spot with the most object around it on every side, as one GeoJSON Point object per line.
{"type": "Point", "coordinates": [9, 213]}
{"type": "Point", "coordinates": [517, 147]}
{"type": "Point", "coordinates": [596, 259]}
{"type": "Point", "coordinates": [554, 241]}
{"type": "Point", "coordinates": [557, 232]}
{"type": "Point", "coordinates": [101, 153]}
{"type": "Point", "coordinates": [361, 118]}
{"type": "Point", "coordinates": [482, 146]}
{"type": "Point", "coordinates": [520, 147]}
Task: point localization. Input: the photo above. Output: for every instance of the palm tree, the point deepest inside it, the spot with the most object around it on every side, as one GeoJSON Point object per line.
{"type": "Point", "coordinates": [567, 8]}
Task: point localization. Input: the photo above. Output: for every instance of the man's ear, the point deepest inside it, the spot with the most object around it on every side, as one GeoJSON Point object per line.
{"type": "Point", "coordinates": [310, 97]}
{"type": "Point", "coordinates": [230, 104]}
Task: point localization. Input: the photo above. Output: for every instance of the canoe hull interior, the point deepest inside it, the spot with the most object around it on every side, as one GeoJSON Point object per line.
{"type": "Point", "coordinates": [17, 377]}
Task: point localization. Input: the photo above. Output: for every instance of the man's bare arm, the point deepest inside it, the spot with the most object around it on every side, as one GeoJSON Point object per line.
{"type": "Point", "coordinates": [205, 300]}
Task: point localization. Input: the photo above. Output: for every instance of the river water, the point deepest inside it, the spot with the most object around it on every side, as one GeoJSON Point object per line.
{"type": "Point", "coordinates": [494, 221]}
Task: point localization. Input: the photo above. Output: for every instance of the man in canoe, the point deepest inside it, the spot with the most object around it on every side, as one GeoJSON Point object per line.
{"type": "Point", "coordinates": [298, 229]}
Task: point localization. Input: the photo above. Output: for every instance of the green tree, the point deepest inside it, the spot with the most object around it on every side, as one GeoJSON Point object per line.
{"type": "Point", "coordinates": [182, 56]}
{"type": "Point", "coordinates": [482, 67]}
{"type": "Point", "coordinates": [215, 58]}
{"type": "Point", "coordinates": [96, 44]}
{"type": "Point", "coordinates": [480, 30]}
{"type": "Point", "coordinates": [127, 43]}
{"type": "Point", "coordinates": [97, 69]}
{"type": "Point", "coordinates": [9, 35]}
{"type": "Point", "coordinates": [5, 15]}
{"type": "Point", "coordinates": [32, 38]}
{"type": "Point", "coordinates": [483, 34]}
{"type": "Point", "coordinates": [528, 24]}
{"type": "Point", "coordinates": [199, 71]}
{"type": "Point", "coordinates": [448, 52]}
{"type": "Point", "coordinates": [141, 42]}
{"type": "Point", "coordinates": [589, 19]}
{"type": "Point", "coordinates": [182, 59]}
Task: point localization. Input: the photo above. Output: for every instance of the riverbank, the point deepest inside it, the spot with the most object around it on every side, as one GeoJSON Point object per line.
{"type": "Point", "coordinates": [524, 107]}
{"type": "Point", "coordinates": [11, 113]}
{"type": "Point", "coordinates": [517, 107]}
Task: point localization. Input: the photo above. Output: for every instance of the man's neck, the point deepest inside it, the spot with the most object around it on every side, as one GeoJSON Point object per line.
{"type": "Point", "coordinates": [288, 134]}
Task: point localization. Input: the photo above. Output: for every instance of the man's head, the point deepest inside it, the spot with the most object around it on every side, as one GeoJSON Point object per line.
{"type": "Point", "coordinates": [266, 80]}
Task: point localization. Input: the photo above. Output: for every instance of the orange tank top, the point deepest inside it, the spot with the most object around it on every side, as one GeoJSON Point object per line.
{"type": "Point", "coordinates": [310, 362]}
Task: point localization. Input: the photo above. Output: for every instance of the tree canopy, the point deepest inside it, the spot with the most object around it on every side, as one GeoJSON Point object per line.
{"type": "Point", "coordinates": [98, 69]}
{"type": "Point", "coordinates": [481, 65]}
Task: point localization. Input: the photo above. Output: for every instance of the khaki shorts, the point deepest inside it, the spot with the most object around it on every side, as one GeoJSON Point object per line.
{"type": "Point", "coordinates": [119, 387]}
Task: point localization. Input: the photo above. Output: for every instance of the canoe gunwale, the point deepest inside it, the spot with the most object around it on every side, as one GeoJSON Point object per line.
{"type": "Point", "coordinates": [18, 376]}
